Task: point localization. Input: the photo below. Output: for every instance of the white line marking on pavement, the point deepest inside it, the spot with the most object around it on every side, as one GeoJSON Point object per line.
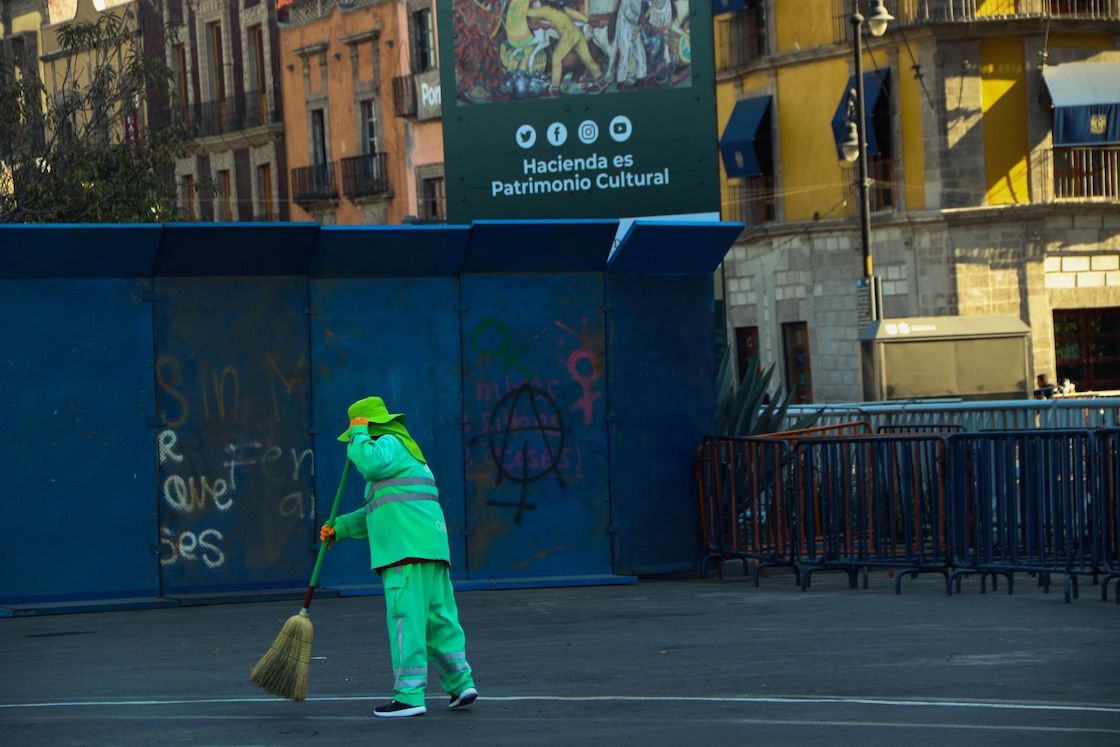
{"type": "Point", "coordinates": [776, 699]}
{"type": "Point", "coordinates": [637, 720]}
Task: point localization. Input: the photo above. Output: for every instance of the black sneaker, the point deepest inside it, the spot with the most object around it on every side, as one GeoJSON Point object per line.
{"type": "Point", "coordinates": [399, 710]}
{"type": "Point", "coordinates": [463, 699]}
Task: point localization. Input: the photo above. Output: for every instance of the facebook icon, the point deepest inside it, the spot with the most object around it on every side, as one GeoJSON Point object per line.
{"type": "Point", "coordinates": [557, 134]}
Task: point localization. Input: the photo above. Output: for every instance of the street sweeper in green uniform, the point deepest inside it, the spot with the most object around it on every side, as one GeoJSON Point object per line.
{"type": "Point", "coordinates": [407, 534]}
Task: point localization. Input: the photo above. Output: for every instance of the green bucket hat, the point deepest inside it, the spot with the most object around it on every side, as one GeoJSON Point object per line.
{"type": "Point", "coordinates": [373, 408]}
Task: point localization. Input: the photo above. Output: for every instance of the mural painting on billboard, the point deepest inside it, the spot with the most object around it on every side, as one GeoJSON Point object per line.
{"type": "Point", "coordinates": [507, 50]}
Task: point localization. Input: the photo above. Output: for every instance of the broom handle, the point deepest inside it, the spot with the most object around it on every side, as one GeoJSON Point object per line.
{"type": "Point", "coordinates": [323, 547]}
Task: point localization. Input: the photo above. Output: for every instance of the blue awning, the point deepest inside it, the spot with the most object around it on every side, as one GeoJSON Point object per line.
{"type": "Point", "coordinates": [727, 6]}
{"type": "Point", "coordinates": [1086, 98]}
{"type": "Point", "coordinates": [873, 84]}
{"type": "Point", "coordinates": [744, 128]}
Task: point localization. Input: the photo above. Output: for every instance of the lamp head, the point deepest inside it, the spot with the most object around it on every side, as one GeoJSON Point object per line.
{"type": "Point", "coordinates": [879, 19]}
{"type": "Point", "coordinates": [850, 147]}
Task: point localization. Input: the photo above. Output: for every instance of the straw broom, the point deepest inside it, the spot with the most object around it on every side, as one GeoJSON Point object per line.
{"type": "Point", "coordinates": [283, 669]}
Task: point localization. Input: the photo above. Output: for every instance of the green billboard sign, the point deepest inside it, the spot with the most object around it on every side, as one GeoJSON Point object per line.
{"type": "Point", "coordinates": [577, 108]}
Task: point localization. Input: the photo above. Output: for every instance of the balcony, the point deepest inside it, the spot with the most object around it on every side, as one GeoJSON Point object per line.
{"type": "Point", "coordinates": [920, 12]}
{"type": "Point", "coordinates": [220, 117]}
{"type": "Point", "coordinates": [365, 176]}
{"type": "Point", "coordinates": [315, 183]}
{"type": "Point", "coordinates": [404, 96]}
{"type": "Point", "coordinates": [752, 201]}
{"type": "Point", "coordinates": [1091, 173]}
{"type": "Point", "coordinates": [881, 192]}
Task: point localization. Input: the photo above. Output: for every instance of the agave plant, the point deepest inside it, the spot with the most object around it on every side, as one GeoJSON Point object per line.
{"type": "Point", "coordinates": [749, 410]}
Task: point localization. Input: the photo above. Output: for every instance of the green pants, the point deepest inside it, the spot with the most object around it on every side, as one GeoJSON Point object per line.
{"type": "Point", "coordinates": [424, 623]}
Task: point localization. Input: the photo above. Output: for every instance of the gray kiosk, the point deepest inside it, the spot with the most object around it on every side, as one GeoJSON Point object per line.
{"type": "Point", "coordinates": [970, 357]}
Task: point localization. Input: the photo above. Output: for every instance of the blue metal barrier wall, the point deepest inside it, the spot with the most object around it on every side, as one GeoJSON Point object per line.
{"type": "Point", "coordinates": [659, 300]}
{"type": "Point", "coordinates": [171, 395]}
{"type": "Point", "coordinates": [233, 399]}
{"type": "Point", "coordinates": [76, 453]}
{"type": "Point", "coordinates": [535, 441]}
{"type": "Point", "coordinates": [385, 322]}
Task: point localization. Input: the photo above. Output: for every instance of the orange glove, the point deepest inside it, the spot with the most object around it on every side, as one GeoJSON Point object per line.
{"type": "Point", "coordinates": [359, 421]}
{"type": "Point", "coordinates": [326, 533]}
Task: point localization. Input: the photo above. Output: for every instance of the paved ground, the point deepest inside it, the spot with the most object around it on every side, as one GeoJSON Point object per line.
{"type": "Point", "coordinates": [662, 662]}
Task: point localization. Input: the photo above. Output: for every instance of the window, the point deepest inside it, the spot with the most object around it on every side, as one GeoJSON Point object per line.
{"type": "Point", "coordinates": [264, 191]}
{"type": "Point", "coordinates": [750, 191]}
{"type": "Point", "coordinates": [258, 86]}
{"type": "Point", "coordinates": [216, 61]}
{"type": "Point", "coordinates": [1087, 348]}
{"type": "Point", "coordinates": [182, 81]}
{"type": "Point", "coordinates": [188, 197]}
{"type": "Point", "coordinates": [1087, 172]}
{"type": "Point", "coordinates": [746, 349]}
{"type": "Point", "coordinates": [799, 371]}
{"type": "Point", "coordinates": [225, 196]}
{"type": "Point", "coordinates": [369, 127]}
{"type": "Point", "coordinates": [215, 113]}
{"type": "Point", "coordinates": [423, 41]}
{"type": "Point", "coordinates": [318, 137]}
{"type": "Point", "coordinates": [742, 36]}
{"type": "Point", "coordinates": [433, 205]}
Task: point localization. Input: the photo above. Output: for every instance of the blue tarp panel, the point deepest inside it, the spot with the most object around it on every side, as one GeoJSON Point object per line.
{"type": "Point", "coordinates": [90, 250]}
{"type": "Point", "coordinates": [1086, 98]}
{"type": "Point", "coordinates": [76, 454]}
{"type": "Point", "coordinates": [874, 83]}
{"type": "Point", "coordinates": [727, 6]}
{"type": "Point", "coordinates": [534, 408]}
{"type": "Point", "coordinates": [233, 404]}
{"type": "Point", "coordinates": [662, 400]}
{"type": "Point", "coordinates": [397, 339]}
{"type": "Point", "coordinates": [199, 249]}
{"type": "Point", "coordinates": [389, 251]}
{"type": "Point", "coordinates": [539, 246]}
{"type": "Point", "coordinates": [673, 248]}
{"type": "Point", "coordinates": [737, 144]}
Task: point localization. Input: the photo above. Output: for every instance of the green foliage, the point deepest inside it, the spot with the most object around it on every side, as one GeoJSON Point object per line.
{"type": "Point", "coordinates": [66, 157]}
{"type": "Point", "coordinates": [747, 410]}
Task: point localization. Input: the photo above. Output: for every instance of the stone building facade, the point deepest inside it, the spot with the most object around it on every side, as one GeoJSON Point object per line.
{"type": "Point", "coordinates": [976, 208]}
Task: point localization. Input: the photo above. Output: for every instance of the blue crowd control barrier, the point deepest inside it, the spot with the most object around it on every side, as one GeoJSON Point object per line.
{"type": "Point", "coordinates": [1108, 469]}
{"type": "Point", "coordinates": [745, 502]}
{"type": "Point", "coordinates": [1023, 502]}
{"type": "Point", "coordinates": [872, 501]}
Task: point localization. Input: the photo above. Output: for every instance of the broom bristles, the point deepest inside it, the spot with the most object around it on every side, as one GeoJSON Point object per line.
{"type": "Point", "coordinates": [283, 669]}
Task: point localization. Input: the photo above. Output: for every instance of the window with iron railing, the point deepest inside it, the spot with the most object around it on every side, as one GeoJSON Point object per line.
{"type": "Point", "coordinates": [404, 96]}
{"type": "Point", "coordinates": [365, 175]}
{"type": "Point", "coordinates": [916, 12]}
{"type": "Point", "coordinates": [741, 36]}
{"type": "Point", "coordinates": [1086, 173]}
{"type": "Point", "coordinates": [881, 193]}
{"type": "Point", "coordinates": [207, 118]}
{"type": "Point", "coordinates": [314, 183]}
{"type": "Point", "coordinates": [751, 200]}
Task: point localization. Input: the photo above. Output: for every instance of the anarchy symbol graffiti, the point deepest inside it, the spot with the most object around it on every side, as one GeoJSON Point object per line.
{"type": "Point", "coordinates": [526, 441]}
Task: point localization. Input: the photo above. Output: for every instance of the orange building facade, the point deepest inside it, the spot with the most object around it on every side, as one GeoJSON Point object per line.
{"type": "Point", "coordinates": [362, 127]}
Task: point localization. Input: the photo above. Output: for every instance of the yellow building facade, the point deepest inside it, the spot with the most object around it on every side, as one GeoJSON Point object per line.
{"type": "Point", "coordinates": [981, 203]}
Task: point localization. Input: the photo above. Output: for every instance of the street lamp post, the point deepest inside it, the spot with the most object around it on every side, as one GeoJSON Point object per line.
{"type": "Point", "coordinates": [855, 147]}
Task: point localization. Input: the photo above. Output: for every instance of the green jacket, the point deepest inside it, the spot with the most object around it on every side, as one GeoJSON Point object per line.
{"type": "Point", "coordinates": [401, 517]}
